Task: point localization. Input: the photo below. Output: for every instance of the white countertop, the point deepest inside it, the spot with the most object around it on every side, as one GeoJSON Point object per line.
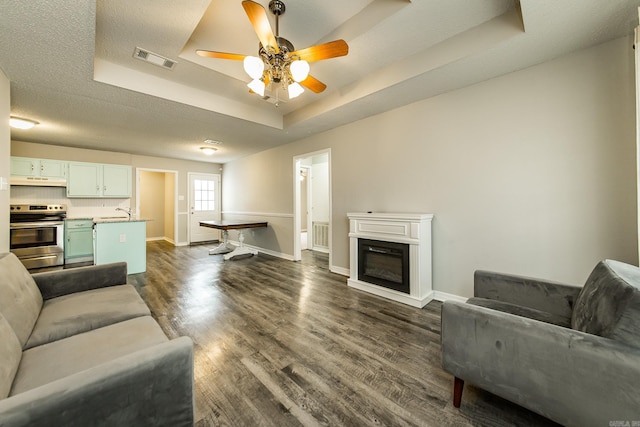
{"type": "Point", "coordinates": [103, 219]}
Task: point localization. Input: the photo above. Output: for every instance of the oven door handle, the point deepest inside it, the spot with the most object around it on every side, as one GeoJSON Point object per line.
{"type": "Point", "coordinates": [17, 225]}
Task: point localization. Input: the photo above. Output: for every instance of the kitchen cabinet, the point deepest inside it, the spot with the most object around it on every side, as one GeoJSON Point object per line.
{"type": "Point", "coordinates": [78, 240]}
{"type": "Point", "coordinates": [121, 241]}
{"type": "Point", "coordinates": [95, 180]}
{"type": "Point", "coordinates": [30, 167]}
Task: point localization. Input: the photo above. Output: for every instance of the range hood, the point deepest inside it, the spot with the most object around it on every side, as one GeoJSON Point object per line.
{"type": "Point", "coordinates": [37, 181]}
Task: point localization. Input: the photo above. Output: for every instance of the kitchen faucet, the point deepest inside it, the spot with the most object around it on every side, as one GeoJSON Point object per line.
{"type": "Point", "coordinates": [127, 210]}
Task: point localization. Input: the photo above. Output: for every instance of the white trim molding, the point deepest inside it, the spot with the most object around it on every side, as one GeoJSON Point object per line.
{"type": "Point", "coordinates": [339, 270]}
{"type": "Point", "coordinates": [264, 251]}
{"type": "Point", "coordinates": [443, 296]}
{"type": "Point", "coordinates": [265, 214]}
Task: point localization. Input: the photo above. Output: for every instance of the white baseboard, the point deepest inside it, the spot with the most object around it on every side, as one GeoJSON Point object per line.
{"type": "Point", "coordinates": [157, 239]}
{"type": "Point", "coordinates": [265, 251]}
{"type": "Point", "coordinates": [340, 270]}
{"type": "Point", "coordinates": [443, 296]}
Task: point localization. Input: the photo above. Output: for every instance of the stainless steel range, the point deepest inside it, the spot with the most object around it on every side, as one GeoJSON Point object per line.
{"type": "Point", "coordinates": [37, 234]}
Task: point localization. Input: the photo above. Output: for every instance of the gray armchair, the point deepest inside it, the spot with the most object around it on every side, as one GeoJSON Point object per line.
{"type": "Point", "coordinates": [569, 353]}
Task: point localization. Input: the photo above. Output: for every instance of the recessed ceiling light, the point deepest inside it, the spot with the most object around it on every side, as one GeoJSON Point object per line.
{"type": "Point", "coordinates": [21, 123]}
{"type": "Point", "coordinates": [208, 150]}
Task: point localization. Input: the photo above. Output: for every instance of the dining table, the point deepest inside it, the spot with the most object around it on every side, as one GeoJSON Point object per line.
{"type": "Point", "coordinates": [226, 248]}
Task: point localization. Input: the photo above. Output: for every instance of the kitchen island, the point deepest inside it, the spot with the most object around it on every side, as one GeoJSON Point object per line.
{"type": "Point", "coordinates": [121, 239]}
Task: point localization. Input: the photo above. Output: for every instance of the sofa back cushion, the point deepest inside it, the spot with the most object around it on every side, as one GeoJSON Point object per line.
{"type": "Point", "coordinates": [10, 355]}
{"type": "Point", "coordinates": [20, 298]}
{"type": "Point", "coordinates": [609, 303]}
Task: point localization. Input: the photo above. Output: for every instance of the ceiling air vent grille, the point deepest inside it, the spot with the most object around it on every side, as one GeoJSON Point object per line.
{"type": "Point", "coordinates": [154, 58]}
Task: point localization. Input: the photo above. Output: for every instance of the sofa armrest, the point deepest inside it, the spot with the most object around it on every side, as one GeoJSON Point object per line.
{"type": "Point", "coordinates": [152, 387]}
{"type": "Point", "coordinates": [63, 282]}
{"type": "Point", "coordinates": [568, 376]}
{"type": "Point", "coordinates": [544, 295]}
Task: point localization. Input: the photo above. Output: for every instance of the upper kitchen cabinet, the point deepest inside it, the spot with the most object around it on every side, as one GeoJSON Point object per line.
{"type": "Point", "coordinates": [93, 180]}
{"type": "Point", "coordinates": [46, 168]}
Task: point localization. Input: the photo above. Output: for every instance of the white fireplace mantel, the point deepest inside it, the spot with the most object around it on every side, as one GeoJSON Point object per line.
{"type": "Point", "coordinates": [411, 229]}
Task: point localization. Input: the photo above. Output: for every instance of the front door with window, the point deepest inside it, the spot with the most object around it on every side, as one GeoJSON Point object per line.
{"type": "Point", "coordinates": [204, 205]}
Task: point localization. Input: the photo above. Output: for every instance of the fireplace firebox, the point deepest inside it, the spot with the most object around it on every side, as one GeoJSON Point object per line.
{"type": "Point", "coordinates": [384, 263]}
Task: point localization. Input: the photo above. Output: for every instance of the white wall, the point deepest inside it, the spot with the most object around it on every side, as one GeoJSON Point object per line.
{"type": "Point", "coordinates": [5, 164]}
{"type": "Point", "coordinates": [531, 173]}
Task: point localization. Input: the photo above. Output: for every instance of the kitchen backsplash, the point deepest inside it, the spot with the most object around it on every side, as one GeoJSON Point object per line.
{"type": "Point", "coordinates": [76, 208]}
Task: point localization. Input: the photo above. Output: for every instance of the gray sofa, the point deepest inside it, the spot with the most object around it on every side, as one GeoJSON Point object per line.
{"type": "Point", "coordinates": [79, 347]}
{"type": "Point", "coordinates": [569, 353]}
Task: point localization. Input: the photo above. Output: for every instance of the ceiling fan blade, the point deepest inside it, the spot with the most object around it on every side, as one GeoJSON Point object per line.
{"type": "Point", "coordinates": [220, 55]}
{"type": "Point", "coordinates": [260, 22]}
{"type": "Point", "coordinates": [322, 51]}
{"type": "Point", "coordinates": [313, 84]}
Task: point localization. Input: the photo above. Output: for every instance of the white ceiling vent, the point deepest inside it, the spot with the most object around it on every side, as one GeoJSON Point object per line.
{"type": "Point", "coordinates": [154, 58]}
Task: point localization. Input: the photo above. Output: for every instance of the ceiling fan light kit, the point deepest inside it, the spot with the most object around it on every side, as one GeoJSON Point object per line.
{"type": "Point", "coordinates": [278, 64]}
{"type": "Point", "coordinates": [254, 67]}
{"type": "Point", "coordinates": [257, 86]}
{"type": "Point", "coordinates": [299, 70]}
{"type": "Point", "coordinates": [294, 90]}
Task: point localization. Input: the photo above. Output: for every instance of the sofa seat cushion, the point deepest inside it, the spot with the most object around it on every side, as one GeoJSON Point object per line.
{"type": "Point", "coordinates": [519, 310]}
{"type": "Point", "coordinates": [20, 300]}
{"type": "Point", "coordinates": [49, 362]}
{"type": "Point", "coordinates": [10, 354]}
{"type": "Point", "coordinates": [72, 314]}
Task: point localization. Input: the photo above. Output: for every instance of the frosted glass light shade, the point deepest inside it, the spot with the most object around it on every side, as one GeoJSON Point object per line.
{"type": "Point", "coordinates": [253, 66]}
{"type": "Point", "coordinates": [294, 90]}
{"type": "Point", "coordinates": [299, 70]}
{"type": "Point", "coordinates": [20, 123]}
{"type": "Point", "coordinates": [257, 86]}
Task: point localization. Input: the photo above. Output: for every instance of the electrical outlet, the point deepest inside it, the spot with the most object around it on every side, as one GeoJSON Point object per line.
{"type": "Point", "coordinates": [123, 238]}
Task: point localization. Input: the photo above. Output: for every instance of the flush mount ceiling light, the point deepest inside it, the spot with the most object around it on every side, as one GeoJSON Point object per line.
{"type": "Point", "coordinates": [21, 123]}
{"type": "Point", "coordinates": [208, 150]}
{"type": "Point", "coordinates": [278, 64]}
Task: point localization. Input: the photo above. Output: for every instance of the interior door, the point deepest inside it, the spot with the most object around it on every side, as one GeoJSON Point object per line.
{"type": "Point", "coordinates": [204, 205]}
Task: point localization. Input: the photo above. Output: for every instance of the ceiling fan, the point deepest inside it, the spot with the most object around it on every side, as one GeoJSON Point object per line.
{"type": "Point", "coordinates": [277, 61]}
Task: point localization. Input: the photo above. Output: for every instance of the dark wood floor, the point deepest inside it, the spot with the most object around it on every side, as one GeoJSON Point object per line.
{"type": "Point", "coordinates": [281, 343]}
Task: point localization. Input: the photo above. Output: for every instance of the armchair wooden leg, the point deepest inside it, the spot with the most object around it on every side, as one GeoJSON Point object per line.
{"type": "Point", "coordinates": [458, 384]}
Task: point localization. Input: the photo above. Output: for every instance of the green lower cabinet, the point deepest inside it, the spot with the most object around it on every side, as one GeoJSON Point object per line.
{"type": "Point", "coordinates": [78, 241]}
{"type": "Point", "coordinates": [122, 241]}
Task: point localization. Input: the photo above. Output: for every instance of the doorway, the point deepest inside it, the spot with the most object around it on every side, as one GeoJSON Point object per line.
{"type": "Point", "coordinates": [156, 200]}
{"type": "Point", "coordinates": [312, 204]}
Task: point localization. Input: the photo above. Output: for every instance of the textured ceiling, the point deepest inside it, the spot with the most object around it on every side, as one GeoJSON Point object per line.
{"type": "Point", "coordinates": [71, 64]}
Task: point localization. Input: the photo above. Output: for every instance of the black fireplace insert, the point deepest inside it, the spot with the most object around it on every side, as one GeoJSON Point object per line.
{"type": "Point", "coordinates": [384, 264]}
